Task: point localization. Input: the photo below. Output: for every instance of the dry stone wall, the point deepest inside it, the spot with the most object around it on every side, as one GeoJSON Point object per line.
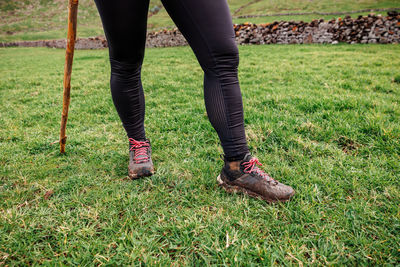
{"type": "Point", "coordinates": [364, 29]}
{"type": "Point", "coordinates": [165, 38]}
{"type": "Point", "coordinates": [367, 29]}
{"type": "Point", "coordinates": [81, 43]}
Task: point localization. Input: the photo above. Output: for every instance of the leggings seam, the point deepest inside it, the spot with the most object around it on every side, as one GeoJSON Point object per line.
{"type": "Point", "coordinates": [215, 63]}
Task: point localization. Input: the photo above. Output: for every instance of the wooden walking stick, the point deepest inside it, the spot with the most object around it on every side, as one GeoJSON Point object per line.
{"type": "Point", "coordinates": [69, 55]}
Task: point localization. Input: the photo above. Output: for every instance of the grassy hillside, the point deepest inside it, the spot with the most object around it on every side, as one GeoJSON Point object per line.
{"type": "Point", "coordinates": [324, 119]}
{"type": "Point", "coordinates": [46, 19]}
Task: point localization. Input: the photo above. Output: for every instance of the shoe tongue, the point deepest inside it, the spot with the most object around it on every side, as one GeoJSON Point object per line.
{"type": "Point", "coordinates": [247, 157]}
{"type": "Point", "coordinates": [141, 157]}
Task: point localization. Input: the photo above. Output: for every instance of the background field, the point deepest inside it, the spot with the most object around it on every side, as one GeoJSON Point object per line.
{"type": "Point", "coordinates": [324, 119]}
{"type": "Point", "coordinates": [46, 19]}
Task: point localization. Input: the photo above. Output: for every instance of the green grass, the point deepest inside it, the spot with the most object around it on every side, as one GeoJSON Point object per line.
{"type": "Point", "coordinates": [305, 18]}
{"type": "Point", "coordinates": [293, 6]}
{"type": "Point", "coordinates": [45, 19]}
{"type": "Point", "coordinates": [323, 119]}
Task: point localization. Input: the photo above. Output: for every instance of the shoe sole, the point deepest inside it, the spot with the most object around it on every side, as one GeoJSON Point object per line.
{"type": "Point", "coordinates": [235, 189]}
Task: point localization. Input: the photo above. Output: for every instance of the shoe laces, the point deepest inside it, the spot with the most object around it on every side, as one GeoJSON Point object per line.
{"type": "Point", "coordinates": [140, 150]}
{"type": "Point", "coordinates": [251, 167]}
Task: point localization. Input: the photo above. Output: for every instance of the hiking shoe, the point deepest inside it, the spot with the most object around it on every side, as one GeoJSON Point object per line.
{"type": "Point", "coordinates": [140, 163]}
{"type": "Point", "coordinates": [245, 176]}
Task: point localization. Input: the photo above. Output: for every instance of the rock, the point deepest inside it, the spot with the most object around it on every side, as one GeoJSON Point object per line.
{"type": "Point", "coordinates": [383, 40]}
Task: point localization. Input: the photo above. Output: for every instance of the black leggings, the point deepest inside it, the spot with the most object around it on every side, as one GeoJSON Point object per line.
{"type": "Point", "coordinates": [207, 26]}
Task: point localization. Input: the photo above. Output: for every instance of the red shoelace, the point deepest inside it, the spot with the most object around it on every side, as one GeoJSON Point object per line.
{"type": "Point", "coordinates": [250, 166]}
{"type": "Point", "coordinates": [140, 149]}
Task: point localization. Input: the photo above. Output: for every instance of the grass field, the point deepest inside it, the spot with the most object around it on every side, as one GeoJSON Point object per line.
{"type": "Point", "coordinates": [323, 119]}
{"type": "Point", "coordinates": [46, 19]}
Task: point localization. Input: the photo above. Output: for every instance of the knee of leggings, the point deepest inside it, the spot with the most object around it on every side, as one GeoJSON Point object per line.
{"type": "Point", "coordinates": [226, 61]}
{"type": "Point", "coordinates": [125, 70]}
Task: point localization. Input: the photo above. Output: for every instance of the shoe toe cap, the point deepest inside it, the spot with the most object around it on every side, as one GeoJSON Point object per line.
{"type": "Point", "coordinates": [283, 192]}
{"type": "Point", "coordinates": [141, 171]}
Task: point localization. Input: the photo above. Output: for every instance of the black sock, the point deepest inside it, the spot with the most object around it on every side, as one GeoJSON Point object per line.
{"type": "Point", "coordinates": [236, 158]}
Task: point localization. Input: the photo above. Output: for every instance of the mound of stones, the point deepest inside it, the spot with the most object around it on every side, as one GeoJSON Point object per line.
{"type": "Point", "coordinates": [81, 43]}
{"type": "Point", "coordinates": [165, 38]}
{"type": "Point", "coordinates": [364, 29]}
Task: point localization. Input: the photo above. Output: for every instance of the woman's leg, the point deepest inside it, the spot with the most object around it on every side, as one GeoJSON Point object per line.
{"type": "Point", "coordinates": [124, 23]}
{"type": "Point", "coordinates": [207, 26]}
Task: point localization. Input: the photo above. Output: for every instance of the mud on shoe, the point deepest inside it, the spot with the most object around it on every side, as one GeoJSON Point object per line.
{"type": "Point", "coordinates": [140, 163]}
{"type": "Point", "coordinates": [246, 177]}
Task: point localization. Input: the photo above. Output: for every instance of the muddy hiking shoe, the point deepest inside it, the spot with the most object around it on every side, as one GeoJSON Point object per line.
{"type": "Point", "coordinates": [245, 176]}
{"type": "Point", "coordinates": [140, 163]}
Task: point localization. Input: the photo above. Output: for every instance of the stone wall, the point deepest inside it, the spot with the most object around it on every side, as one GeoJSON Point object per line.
{"type": "Point", "coordinates": [364, 29]}
{"type": "Point", "coordinates": [81, 43]}
{"type": "Point", "coordinates": [165, 38]}
{"type": "Point", "coordinates": [367, 29]}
